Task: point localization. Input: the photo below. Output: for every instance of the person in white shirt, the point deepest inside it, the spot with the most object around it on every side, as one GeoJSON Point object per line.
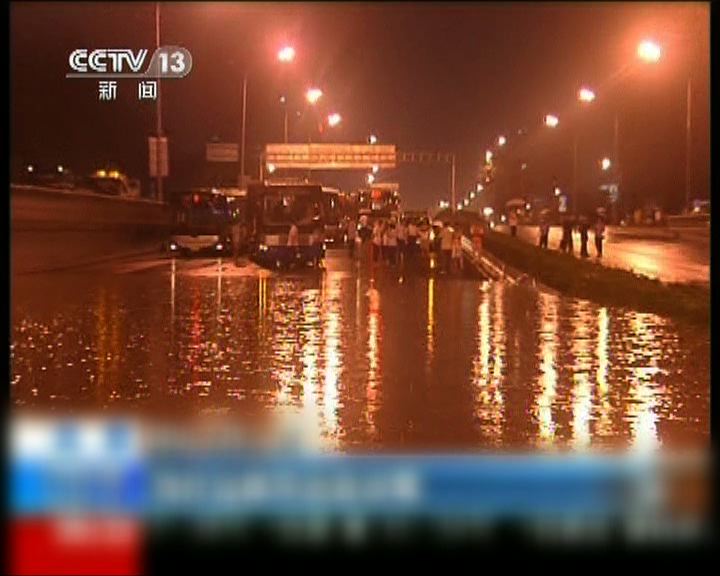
{"type": "Point", "coordinates": [446, 244]}
{"type": "Point", "coordinates": [401, 231]}
{"type": "Point", "coordinates": [377, 241]}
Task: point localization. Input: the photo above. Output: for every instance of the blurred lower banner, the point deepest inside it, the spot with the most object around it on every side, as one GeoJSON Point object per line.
{"type": "Point", "coordinates": [89, 493]}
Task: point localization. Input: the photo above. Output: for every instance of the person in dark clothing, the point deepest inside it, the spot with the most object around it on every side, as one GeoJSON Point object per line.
{"type": "Point", "coordinates": [566, 242]}
{"type": "Point", "coordinates": [544, 232]}
{"type": "Point", "coordinates": [599, 235]}
{"type": "Point", "coordinates": [584, 227]}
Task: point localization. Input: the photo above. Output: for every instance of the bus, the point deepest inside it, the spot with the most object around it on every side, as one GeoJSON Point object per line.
{"type": "Point", "coordinates": [382, 200]}
{"type": "Point", "coordinates": [333, 216]}
{"type": "Point", "coordinates": [201, 222]}
{"type": "Point", "coordinates": [272, 208]}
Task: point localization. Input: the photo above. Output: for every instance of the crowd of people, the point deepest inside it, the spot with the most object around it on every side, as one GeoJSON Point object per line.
{"type": "Point", "coordinates": [396, 242]}
{"type": "Point", "coordinates": [583, 226]}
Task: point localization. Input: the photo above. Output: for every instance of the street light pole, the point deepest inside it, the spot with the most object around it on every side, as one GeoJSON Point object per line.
{"type": "Point", "coordinates": [616, 154]}
{"type": "Point", "coordinates": [285, 124]}
{"type": "Point", "coordinates": [452, 183]}
{"type": "Point", "coordinates": [575, 194]}
{"type": "Point", "coordinates": [242, 132]}
{"type": "Point", "coordinates": [158, 114]}
{"type": "Point", "coordinates": [688, 142]}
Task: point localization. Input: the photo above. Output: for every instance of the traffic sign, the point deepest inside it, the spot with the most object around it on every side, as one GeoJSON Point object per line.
{"type": "Point", "coordinates": [158, 156]}
{"type": "Point", "coordinates": [222, 152]}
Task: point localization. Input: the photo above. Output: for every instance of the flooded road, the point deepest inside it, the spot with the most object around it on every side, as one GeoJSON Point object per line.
{"type": "Point", "coordinates": [367, 361]}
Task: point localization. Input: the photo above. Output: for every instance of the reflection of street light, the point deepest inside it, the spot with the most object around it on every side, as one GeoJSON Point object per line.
{"type": "Point", "coordinates": [586, 95]}
{"type": "Point", "coordinates": [551, 120]}
{"type": "Point", "coordinates": [313, 95]}
{"type": "Point", "coordinates": [502, 140]}
{"type": "Point", "coordinates": [605, 163]}
{"type": "Point", "coordinates": [649, 51]}
{"type": "Point", "coordinates": [334, 119]}
{"type": "Point", "coordinates": [286, 54]}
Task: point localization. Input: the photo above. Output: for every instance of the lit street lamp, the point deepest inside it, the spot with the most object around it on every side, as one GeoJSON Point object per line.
{"type": "Point", "coordinates": [649, 51]}
{"type": "Point", "coordinates": [586, 95]}
{"type": "Point", "coordinates": [376, 169]}
{"type": "Point", "coordinates": [605, 164]}
{"type": "Point", "coordinates": [313, 95]}
{"type": "Point", "coordinates": [372, 139]}
{"type": "Point", "coordinates": [501, 140]}
{"type": "Point", "coordinates": [370, 178]}
{"type": "Point", "coordinates": [551, 120]}
{"type": "Point", "coordinates": [286, 54]}
{"type": "Point", "coordinates": [334, 119]}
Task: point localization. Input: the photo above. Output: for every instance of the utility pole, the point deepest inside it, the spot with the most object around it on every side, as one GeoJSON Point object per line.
{"type": "Point", "coordinates": [242, 131]}
{"type": "Point", "coordinates": [452, 183]}
{"type": "Point", "coordinates": [159, 129]}
{"type": "Point", "coordinates": [688, 143]}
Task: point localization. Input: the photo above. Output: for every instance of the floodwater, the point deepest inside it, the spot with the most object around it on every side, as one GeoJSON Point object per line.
{"type": "Point", "coordinates": [410, 364]}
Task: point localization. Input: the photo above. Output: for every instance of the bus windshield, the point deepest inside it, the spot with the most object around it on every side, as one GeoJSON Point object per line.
{"type": "Point", "coordinates": [201, 213]}
{"type": "Point", "coordinates": [287, 204]}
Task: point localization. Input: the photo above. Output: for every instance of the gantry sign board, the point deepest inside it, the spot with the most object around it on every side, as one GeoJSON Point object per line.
{"type": "Point", "coordinates": [331, 156]}
{"type": "Point", "coordinates": [222, 152]}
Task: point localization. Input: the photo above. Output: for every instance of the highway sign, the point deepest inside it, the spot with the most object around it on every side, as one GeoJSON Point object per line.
{"type": "Point", "coordinates": [222, 152]}
{"type": "Point", "coordinates": [331, 156]}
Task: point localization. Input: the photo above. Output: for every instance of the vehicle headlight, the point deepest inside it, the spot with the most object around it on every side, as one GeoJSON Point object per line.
{"type": "Point", "coordinates": [173, 246]}
{"type": "Point", "coordinates": [218, 246]}
{"type": "Point", "coordinates": [263, 248]}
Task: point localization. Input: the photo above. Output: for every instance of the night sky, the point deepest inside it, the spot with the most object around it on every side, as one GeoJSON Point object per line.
{"type": "Point", "coordinates": [424, 76]}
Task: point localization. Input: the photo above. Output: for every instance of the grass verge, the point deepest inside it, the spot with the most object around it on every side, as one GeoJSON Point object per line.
{"type": "Point", "coordinates": [607, 286]}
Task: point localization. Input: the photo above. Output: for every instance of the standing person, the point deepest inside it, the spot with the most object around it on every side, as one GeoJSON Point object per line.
{"type": "Point", "coordinates": [293, 241]}
{"type": "Point", "coordinates": [424, 237]}
{"type": "Point", "coordinates": [236, 241]}
{"type": "Point", "coordinates": [457, 255]}
{"type": "Point", "coordinates": [390, 244]}
{"type": "Point", "coordinates": [566, 244]}
{"type": "Point", "coordinates": [377, 236]}
{"type": "Point", "coordinates": [477, 232]}
{"type": "Point", "coordinates": [316, 244]}
{"type": "Point", "coordinates": [412, 240]}
{"type": "Point", "coordinates": [599, 235]}
{"type": "Point", "coordinates": [544, 232]}
{"type": "Point", "coordinates": [401, 233]}
{"type": "Point", "coordinates": [584, 227]}
{"type": "Point", "coordinates": [351, 236]}
{"type": "Point", "coordinates": [513, 221]}
{"type": "Point", "coordinates": [446, 244]}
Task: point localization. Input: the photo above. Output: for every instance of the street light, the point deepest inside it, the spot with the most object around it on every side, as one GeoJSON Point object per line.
{"type": "Point", "coordinates": [586, 95]}
{"type": "Point", "coordinates": [372, 139]}
{"type": "Point", "coordinates": [334, 119]}
{"type": "Point", "coordinates": [605, 164]}
{"type": "Point", "coordinates": [313, 95]}
{"type": "Point", "coordinates": [30, 168]}
{"type": "Point", "coordinates": [501, 140]}
{"type": "Point", "coordinates": [488, 156]}
{"type": "Point", "coordinates": [60, 168]}
{"type": "Point", "coordinates": [286, 54]}
{"type": "Point", "coordinates": [375, 169]}
{"type": "Point", "coordinates": [370, 178]}
{"type": "Point", "coordinates": [649, 51]}
{"type": "Point", "coordinates": [479, 187]}
{"type": "Point", "coordinates": [551, 120]}
{"type": "Point", "coordinates": [271, 168]}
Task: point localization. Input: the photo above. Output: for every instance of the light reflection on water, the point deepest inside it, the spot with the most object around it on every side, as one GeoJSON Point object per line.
{"type": "Point", "coordinates": [365, 363]}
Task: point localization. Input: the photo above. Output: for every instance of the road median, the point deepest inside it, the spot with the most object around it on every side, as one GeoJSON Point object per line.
{"type": "Point", "coordinates": [589, 280]}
